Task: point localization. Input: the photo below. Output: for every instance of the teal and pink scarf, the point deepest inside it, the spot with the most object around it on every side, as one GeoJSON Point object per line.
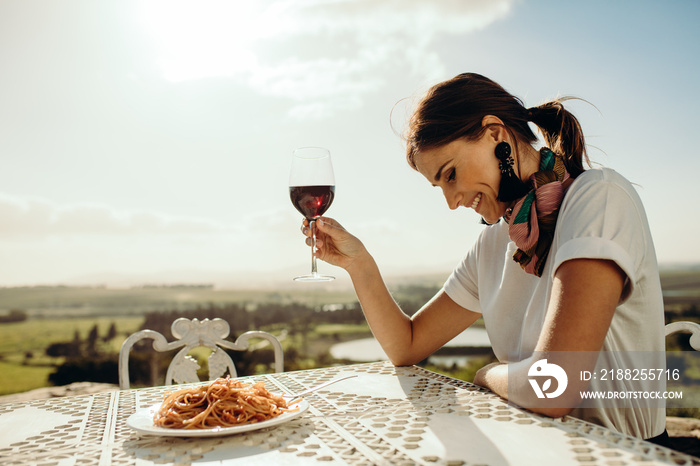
{"type": "Point", "coordinates": [534, 216]}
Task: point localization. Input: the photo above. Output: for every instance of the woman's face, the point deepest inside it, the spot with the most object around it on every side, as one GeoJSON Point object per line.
{"type": "Point", "coordinates": [468, 174]}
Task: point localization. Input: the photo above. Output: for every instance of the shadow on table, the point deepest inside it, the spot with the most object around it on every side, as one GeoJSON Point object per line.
{"type": "Point", "coordinates": [453, 424]}
{"type": "Point", "coordinates": [265, 446]}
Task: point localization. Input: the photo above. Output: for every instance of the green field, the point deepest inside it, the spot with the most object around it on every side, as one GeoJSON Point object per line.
{"type": "Point", "coordinates": [25, 366]}
{"type": "Point", "coordinates": [58, 314]}
{"type": "Point", "coordinates": [18, 378]}
{"type": "Point", "coordinates": [23, 362]}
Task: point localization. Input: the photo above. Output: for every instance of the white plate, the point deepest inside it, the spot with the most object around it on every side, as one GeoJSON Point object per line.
{"type": "Point", "coordinates": [142, 421]}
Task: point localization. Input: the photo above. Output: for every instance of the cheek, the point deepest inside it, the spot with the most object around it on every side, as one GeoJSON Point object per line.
{"type": "Point", "coordinates": [494, 210]}
{"type": "Point", "coordinates": [486, 172]}
{"type": "Point", "coordinates": [494, 175]}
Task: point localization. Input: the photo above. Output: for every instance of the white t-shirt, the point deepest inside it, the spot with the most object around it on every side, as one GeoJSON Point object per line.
{"type": "Point", "coordinates": [601, 217]}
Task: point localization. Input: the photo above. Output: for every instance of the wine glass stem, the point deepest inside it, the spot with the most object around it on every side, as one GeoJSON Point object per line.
{"type": "Point", "coordinates": [312, 224]}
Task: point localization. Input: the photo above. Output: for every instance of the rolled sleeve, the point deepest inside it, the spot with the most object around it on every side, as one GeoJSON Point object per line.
{"type": "Point", "coordinates": [592, 247]}
{"type": "Point", "coordinates": [462, 290]}
{"type": "Point", "coordinates": [602, 220]}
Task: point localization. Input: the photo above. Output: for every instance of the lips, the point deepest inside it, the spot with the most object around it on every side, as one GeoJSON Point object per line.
{"type": "Point", "coordinates": [475, 204]}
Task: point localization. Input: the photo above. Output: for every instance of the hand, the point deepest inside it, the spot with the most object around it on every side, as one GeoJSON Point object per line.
{"type": "Point", "coordinates": [333, 242]}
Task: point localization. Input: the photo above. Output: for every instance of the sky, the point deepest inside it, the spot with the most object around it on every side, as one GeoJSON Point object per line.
{"type": "Point", "coordinates": [150, 141]}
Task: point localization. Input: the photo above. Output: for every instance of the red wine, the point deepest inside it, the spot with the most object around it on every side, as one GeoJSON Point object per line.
{"type": "Point", "coordinates": [312, 201]}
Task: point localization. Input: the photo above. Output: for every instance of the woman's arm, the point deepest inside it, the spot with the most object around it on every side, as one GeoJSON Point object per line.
{"type": "Point", "coordinates": [406, 340]}
{"type": "Point", "coordinates": [585, 294]}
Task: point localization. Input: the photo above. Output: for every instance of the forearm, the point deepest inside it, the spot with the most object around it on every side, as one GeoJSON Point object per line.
{"type": "Point", "coordinates": [389, 324]}
{"type": "Point", "coordinates": [517, 389]}
{"type": "Point", "coordinates": [406, 340]}
{"type": "Point", "coordinates": [494, 376]}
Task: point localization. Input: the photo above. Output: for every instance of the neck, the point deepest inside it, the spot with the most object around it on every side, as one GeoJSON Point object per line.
{"type": "Point", "coordinates": [528, 161]}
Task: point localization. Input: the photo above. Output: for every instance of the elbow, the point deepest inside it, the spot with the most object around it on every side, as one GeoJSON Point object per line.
{"type": "Point", "coordinates": [399, 361]}
{"type": "Point", "coordinates": [554, 412]}
{"type": "Point", "coordinates": [404, 357]}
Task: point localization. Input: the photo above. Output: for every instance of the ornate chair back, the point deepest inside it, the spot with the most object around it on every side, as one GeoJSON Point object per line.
{"type": "Point", "coordinates": [686, 326]}
{"type": "Point", "coordinates": [191, 334]}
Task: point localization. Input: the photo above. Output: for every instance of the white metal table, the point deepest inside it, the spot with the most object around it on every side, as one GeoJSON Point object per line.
{"type": "Point", "coordinates": [386, 415]}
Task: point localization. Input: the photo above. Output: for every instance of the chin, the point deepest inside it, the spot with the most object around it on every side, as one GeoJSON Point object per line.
{"type": "Point", "coordinates": [491, 217]}
{"type": "Point", "coordinates": [487, 221]}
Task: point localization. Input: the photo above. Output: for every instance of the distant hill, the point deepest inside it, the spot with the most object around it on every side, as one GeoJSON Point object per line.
{"type": "Point", "coordinates": [681, 285]}
{"type": "Point", "coordinates": [680, 277]}
{"type": "Point", "coordinates": [74, 301]}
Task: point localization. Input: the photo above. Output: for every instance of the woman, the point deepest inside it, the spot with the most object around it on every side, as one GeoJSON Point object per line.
{"type": "Point", "coordinates": [565, 266]}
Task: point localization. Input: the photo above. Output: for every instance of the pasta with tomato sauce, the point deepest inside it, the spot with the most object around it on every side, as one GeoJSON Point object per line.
{"type": "Point", "coordinates": [221, 403]}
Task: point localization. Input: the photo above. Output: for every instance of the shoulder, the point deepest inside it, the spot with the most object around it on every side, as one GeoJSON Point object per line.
{"type": "Point", "coordinates": [602, 217]}
{"type": "Point", "coordinates": [601, 176]}
{"type": "Point", "coordinates": [602, 206]}
{"type": "Point", "coordinates": [603, 185]}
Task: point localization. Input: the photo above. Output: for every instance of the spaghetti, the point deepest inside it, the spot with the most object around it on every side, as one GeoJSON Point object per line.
{"type": "Point", "coordinates": [221, 403]}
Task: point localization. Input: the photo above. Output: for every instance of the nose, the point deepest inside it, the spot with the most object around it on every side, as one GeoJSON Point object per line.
{"type": "Point", "coordinates": [453, 199]}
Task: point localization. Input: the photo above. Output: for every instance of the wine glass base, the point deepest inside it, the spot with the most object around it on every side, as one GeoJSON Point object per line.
{"type": "Point", "coordinates": [314, 277]}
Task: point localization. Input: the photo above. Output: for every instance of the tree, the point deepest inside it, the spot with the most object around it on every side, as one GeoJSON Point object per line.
{"type": "Point", "coordinates": [92, 340]}
{"type": "Point", "coordinates": [111, 333]}
{"type": "Point", "coordinates": [15, 315]}
{"type": "Point", "coordinates": [69, 349]}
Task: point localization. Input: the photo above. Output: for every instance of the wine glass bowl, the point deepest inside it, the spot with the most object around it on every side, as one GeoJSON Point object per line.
{"type": "Point", "coordinates": [312, 201]}
{"type": "Point", "coordinates": [311, 190]}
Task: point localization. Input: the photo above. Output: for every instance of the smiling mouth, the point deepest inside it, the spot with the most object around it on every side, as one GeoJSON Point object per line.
{"type": "Point", "coordinates": [476, 201]}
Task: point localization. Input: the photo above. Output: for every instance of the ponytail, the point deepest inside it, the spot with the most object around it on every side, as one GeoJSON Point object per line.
{"type": "Point", "coordinates": [562, 133]}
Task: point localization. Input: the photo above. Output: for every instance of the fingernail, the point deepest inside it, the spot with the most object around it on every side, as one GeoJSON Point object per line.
{"type": "Point", "coordinates": [320, 222]}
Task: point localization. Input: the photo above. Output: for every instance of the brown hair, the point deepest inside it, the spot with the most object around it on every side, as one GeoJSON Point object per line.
{"type": "Point", "coordinates": [455, 109]}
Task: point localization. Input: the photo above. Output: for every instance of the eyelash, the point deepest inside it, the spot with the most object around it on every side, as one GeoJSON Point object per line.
{"type": "Point", "coordinates": [451, 177]}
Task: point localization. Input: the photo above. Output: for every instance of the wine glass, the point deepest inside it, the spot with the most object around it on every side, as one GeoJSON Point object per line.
{"type": "Point", "coordinates": [311, 189]}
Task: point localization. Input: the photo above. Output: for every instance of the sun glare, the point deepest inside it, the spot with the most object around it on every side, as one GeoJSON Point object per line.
{"type": "Point", "coordinates": [211, 38]}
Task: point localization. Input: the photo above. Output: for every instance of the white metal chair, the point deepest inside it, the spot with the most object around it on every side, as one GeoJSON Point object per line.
{"type": "Point", "coordinates": [686, 326]}
{"type": "Point", "coordinates": [191, 334]}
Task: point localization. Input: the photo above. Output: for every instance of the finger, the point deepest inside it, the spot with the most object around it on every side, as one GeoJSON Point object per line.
{"type": "Point", "coordinates": [305, 227]}
{"type": "Point", "coordinates": [328, 221]}
{"type": "Point", "coordinates": [329, 226]}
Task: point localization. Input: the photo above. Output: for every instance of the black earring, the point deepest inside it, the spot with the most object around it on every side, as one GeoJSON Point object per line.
{"type": "Point", "coordinates": [511, 187]}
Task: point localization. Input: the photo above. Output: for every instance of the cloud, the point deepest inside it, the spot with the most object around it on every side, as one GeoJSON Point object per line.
{"type": "Point", "coordinates": [371, 18]}
{"type": "Point", "coordinates": [39, 218]}
{"type": "Point", "coordinates": [324, 55]}
{"type": "Point", "coordinates": [372, 36]}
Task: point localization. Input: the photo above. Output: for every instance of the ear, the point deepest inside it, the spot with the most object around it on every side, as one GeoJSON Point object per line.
{"type": "Point", "coordinates": [495, 129]}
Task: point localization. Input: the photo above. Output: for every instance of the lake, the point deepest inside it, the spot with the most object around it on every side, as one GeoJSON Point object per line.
{"type": "Point", "coordinates": [368, 349]}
